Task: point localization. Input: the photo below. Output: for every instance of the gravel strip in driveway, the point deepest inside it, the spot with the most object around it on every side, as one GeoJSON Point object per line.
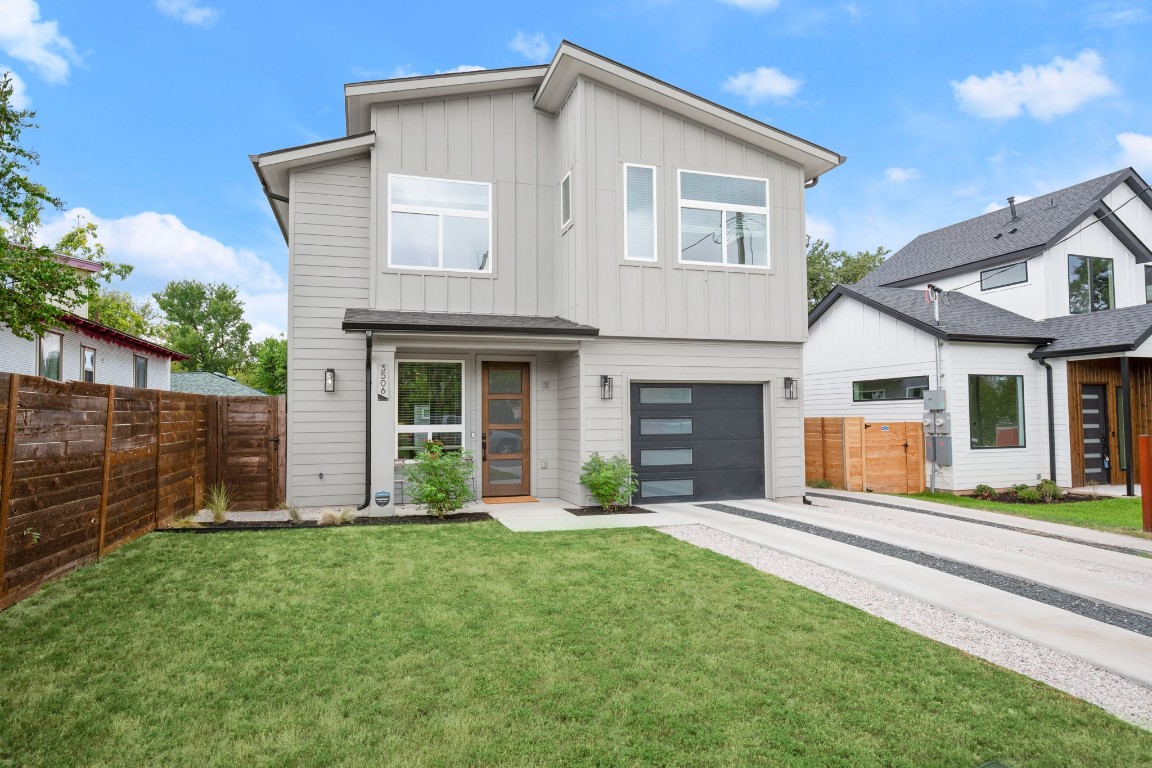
{"type": "Point", "coordinates": [1122, 698]}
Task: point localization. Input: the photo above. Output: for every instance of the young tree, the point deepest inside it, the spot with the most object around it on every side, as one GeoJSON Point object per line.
{"type": "Point", "coordinates": [117, 309]}
{"type": "Point", "coordinates": [267, 366]}
{"type": "Point", "coordinates": [827, 267]}
{"type": "Point", "coordinates": [206, 322]}
{"type": "Point", "coordinates": [36, 285]}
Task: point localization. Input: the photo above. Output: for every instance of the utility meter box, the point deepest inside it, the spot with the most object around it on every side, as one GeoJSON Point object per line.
{"type": "Point", "coordinates": [937, 423]}
{"type": "Point", "coordinates": [935, 400]}
{"type": "Point", "coordinates": [938, 448]}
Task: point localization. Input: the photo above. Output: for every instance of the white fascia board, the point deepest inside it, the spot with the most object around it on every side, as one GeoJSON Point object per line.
{"type": "Point", "coordinates": [572, 62]}
{"type": "Point", "coordinates": [359, 97]}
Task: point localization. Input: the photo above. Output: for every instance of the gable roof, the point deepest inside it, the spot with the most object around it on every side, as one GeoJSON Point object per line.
{"type": "Point", "coordinates": [995, 238]}
{"type": "Point", "coordinates": [208, 383]}
{"type": "Point", "coordinates": [97, 330]}
{"type": "Point", "coordinates": [1116, 330]}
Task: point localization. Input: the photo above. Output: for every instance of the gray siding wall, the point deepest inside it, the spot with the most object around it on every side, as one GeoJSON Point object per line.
{"type": "Point", "coordinates": [497, 138]}
{"type": "Point", "coordinates": [113, 363]}
{"type": "Point", "coordinates": [568, 416]}
{"type": "Point", "coordinates": [328, 272]}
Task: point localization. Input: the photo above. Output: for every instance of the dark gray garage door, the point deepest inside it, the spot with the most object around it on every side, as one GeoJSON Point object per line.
{"type": "Point", "coordinates": [698, 442]}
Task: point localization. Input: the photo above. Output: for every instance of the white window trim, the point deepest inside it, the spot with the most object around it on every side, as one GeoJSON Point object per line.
{"type": "Point", "coordinates": [655, 214]}
{"type": "Point", "coordinates": [681, 204]}
{"type": "Point", "coordinates": [40, 355]}
{"type": "Point", "coordinates": [440, 213]}
{"type": "Point", "coordinates": [84, 349]}
{"type": "Point", "coordinates": [145, 359]}
{"type": "Point", "coordinates": [565, 223]}
{"type": "Point", "coordinates": [412, 429]}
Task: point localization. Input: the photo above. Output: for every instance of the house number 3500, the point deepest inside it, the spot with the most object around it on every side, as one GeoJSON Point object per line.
{"type": "Point", "coordinates": [382, 393]}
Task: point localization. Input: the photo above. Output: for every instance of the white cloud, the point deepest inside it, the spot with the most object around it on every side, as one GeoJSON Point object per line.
{"type": "Point", "coordinates": [535, 48]}
{"type": "Point", "coordinates": [189, 12]}
{"type": "Point", "coordinates": [19, 98]}
{"type": "Point", "coordinates": [998, 206]}
{"type": "Point", "coordinates": [821, 229]}
{"type": "Point", "coordinates": [1116, 14]}
{"type": "Point", "coordinates": [1135, 150]}
{"type": "Point", "coordinates": [901, 175]}
{"type": "Point", "coordinates": [1046, 91]}
{"type": "Point", "coordinates": [753, 5]}
{"type": "Point", "coordinates": [25, 36]}
{"type": "Point", "coordinates": [763, 83]}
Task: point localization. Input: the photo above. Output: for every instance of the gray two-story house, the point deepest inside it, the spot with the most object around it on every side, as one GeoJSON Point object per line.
{"type": "Point", "coordinates": [541, 262]}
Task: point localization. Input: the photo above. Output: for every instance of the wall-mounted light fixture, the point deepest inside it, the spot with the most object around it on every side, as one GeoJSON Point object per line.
{"type": "Point", "coordinates": [791, 388]}
{"type": "Point", "coordinates": [329, 380]}
{"type": "Point", "coordinates": [605, 387]}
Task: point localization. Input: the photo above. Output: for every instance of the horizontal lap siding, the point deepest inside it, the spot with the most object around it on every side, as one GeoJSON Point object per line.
{"type": "Point", "coordinates": [329, 265]}
{"type": "Point", "coordinates": [568, 428]}
{"type": "Point", "coordinates": [113, 362]}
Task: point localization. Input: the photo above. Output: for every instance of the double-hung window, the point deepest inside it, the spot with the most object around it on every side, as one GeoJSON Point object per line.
{"type": "Point", "coordinates": [50, 357]}
{"type": "Point", "coordinates": [723, 220]}
{"type": "Point", "coordinates": [1091, 284]}
{"type": "Point", "coordinates": [139, 371]}
{"type": "Point", "coordinates": [429, 406]}
{"type": "Point", "coordinates": [639, 213]}
{"type": "Point", "coordinates": [439, 224]}
{"type": "Point", "coordinates": [996, 411]}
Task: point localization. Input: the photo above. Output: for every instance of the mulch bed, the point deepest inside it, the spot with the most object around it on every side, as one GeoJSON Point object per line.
{"type": "Point", "coordinates": [590, 511]}
{"type": "Point", "coordinates": [270, 525]}
{"type": "Point", "coordinates": [1011, 498]}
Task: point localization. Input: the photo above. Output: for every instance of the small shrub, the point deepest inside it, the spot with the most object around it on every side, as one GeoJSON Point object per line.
{"type": "Point", "coordinates": [1093, 486]}
{"type": "Point", "coordinates": [218, 503]}
{"type": "Point", "coordinates": [610, 481]}
{"type": "Point", "coordinates": [185, 522]}
{"type": "Point", "coordinates": [339, 516]}
{"type": "Point", "coordinates": [983, 491]}
{"type": "Point", "coordinates": [293, 510]}
{"type": "Point", "coordinates": [820, 484]}
{"type": "Point", "coordinates": [439, 479]}
{"type": "Point", "coordinates": [1049, 491]}
{"type": "Point", "coordinates": [1020, 487]}
{"type": "Point", "coordinates": [1029, 494]}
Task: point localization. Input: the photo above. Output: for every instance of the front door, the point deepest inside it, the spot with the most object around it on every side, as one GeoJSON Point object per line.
{"type": "Point", "coordinates": [506, 421]}
{"type": "Point", "coordinates": [1094, 418]}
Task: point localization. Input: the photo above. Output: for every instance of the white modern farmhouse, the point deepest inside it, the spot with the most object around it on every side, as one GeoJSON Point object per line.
{"type": "Point", "coordinates": [538, 263]}
{"type": "Point", "coordinates": [1041, 345]}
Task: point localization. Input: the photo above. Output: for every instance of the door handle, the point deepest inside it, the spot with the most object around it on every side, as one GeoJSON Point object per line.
{"type": "Point", "coordinates": [483, 446]}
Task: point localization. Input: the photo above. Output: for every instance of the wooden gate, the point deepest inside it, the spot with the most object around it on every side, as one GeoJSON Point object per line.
{"type": "Point", "coordinates": [249, 456]}
{"type": "Point", "coordinates": [854, 455]}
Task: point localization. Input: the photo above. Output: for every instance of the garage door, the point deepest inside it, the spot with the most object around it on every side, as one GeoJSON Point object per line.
{"type": "Point", "coordinates": [698, 442]}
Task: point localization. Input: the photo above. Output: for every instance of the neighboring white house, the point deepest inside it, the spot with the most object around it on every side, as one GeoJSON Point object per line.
{"type": "Point", "coordinates": [1045, 311]}
{"type": "Point", "coordinates": [538, 263]}
{"type": "Point", "coordinates": [83, 349]}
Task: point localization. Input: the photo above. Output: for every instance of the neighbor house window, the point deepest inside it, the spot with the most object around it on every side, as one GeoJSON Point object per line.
{"type": "Point", "coordinates": [639, 213]}
{"type": "Point", "coordinates": [723, 220]}
{"type": "Point", "coordinates": [566, 201]}
{"type": "Point", "coordinates": [439, 224]}
{"type": "Point", "coordinates": [429, 406]}
{"type": "Point", "coordinates": [139, 371]}
{"type": "Point", "coordinates": [996, 411]}
{"type": "Point", "coordinates": [998, 277]}
{"type": "Point", "coordinates": [50, 356]}
{"type": "Point", "coordinates": [87, 364]}
{"type": "Point", "coordinates": [1148, 284]}
{"type": "Point", "coordinates": [907, 388]}
{"type": "Point", "coordinates": [1091, 284]}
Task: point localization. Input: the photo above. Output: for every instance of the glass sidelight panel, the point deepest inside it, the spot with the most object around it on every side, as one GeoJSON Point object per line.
{"type": "Point", "coordinates": [505, 411]}
{"type": "Point", "coordinates": [502, 381]}
{"type": "Point", "coordinates": [505, 441]}
{"type": "Point", "coordinates": [505, 472]}
{"type": "Point", "coordinates": [650, 489]}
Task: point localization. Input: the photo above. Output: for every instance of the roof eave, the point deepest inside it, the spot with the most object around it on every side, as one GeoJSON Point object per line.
{"type": "Point", "coordinates": [103, 332]}
{"type": "Point", "coordinates": [385, 326]}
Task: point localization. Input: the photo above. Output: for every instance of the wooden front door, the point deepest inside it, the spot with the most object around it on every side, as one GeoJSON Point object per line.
{"type": "Point", "coordinates": [506, 423]}
{"type": "Point", "coordinates": [1094, 418]}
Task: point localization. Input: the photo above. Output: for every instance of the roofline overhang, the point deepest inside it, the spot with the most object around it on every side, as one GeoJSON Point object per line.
{"type": "Point", "coordinates": [579, 332]}
{"type": "Point", "coordinates": [1121, 232]}
{"type": "Point", "coordinates": [992, 261]}
{"type": "Point", "coordinates": [105, 333]}
{"type": "Point", "coordinates": [274, 168]}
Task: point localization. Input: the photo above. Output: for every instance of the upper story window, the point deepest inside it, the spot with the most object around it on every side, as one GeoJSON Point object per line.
{"type": "Point", "coordinates": [1148, 284]}
{"type": "Point", "coordinates": [998, 277]}
{"type": "Point", "coordinates": [139, 371]}
{"type": "Point", "coordinates": [1091, 284]}
{"type": "Point", "coordinates": [723, 219]}
{"type": "Point", "coordinates": [50, 356]}
{"type": "Point", "coordinates": [639, 213]}
{"type": "Point", "coordinates": [566, 201]}
{"type": "Point", "coordinates": [439, 224]}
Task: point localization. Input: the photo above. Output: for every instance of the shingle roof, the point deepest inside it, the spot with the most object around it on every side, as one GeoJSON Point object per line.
{"type": "Point", "coordinates": [1040, 220]}
{"type": "Point", "coordinates": [458, 322]}
{"type": "Point", "coordinates": [1116, 330]}
{"type": "Point", "coordinates": [206, 383]}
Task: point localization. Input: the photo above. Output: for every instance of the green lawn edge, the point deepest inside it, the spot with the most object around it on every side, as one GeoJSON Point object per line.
{"type": "Point", "coordinates": [1112, 514]}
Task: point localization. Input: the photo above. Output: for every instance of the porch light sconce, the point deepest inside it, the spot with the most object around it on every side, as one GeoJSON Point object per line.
{"type": "Point", "coordinates": [329, 380]}
{"type": "Point", "coordinates": [791, 391]}
{"type": "Point", "coordinates": [605, 387]}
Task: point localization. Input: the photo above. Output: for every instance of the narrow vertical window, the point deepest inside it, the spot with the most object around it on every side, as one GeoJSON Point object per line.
{"type": "Point", "coordinates": [639, 213]}
{"type": "Point", "coordinates": [51, 356]}
{"type": "Point", "coordinates": [566, 201]}
{"type": "Point", "coordinates": [87, 364]}
{"type": "Point", "coordinates": [139, 371]}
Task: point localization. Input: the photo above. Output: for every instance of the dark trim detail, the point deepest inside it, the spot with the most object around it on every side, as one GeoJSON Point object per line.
{"type": "Point", "coordinates": [367, 421]}
{"type": "Point", "coordinates": [992, 261]}
{"type": "Point", "coordinates": [1126, 236]}
{"type": "Point", "coordinates": [428, 322]}
{"type": "Point", "coordinates": [1126, 404]}
{"type": "Point", "coordinates": [1005, 268]}
{"type": "Point", "coordinates": [100, 331]}
{"type": "Point", "coordinates": [1051, 422]}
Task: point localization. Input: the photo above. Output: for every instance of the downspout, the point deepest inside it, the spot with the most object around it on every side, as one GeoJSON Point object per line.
{"type": "Point", "coordinates": [1126, 395]}
{"type": "Point", "coordinates": [1051, 421]}
{"type": "Point", "coordinates": [367, 421]}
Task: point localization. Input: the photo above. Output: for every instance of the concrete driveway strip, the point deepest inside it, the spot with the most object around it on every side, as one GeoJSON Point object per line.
{"type": "Point", "coordinates": [1125, 653]}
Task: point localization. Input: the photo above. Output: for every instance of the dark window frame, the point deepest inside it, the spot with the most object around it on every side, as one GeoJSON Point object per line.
{"type": "Point", "coordinates": [1089, 260]}
{"type": "Point", "coordinates": [903, 387]}
{"type": "Point", "coordinates": [1002, 270]}
{"type": "Point", "coordinates": [1020, 404]}
{"type": "Point", "coordinates": [83, 369]}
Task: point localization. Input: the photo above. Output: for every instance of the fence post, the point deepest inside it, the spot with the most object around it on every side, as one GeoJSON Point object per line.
{"type": "Point", "coordinates": [108, 423]}
{"type": "Point", "coordinates": [1146, 481]}
{"type": "Point", "coordinates": [6, 477]}
{"type": "Point", "coordinates": [159, 408]}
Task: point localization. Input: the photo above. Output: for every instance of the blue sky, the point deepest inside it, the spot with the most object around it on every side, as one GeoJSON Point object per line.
{"type": "Point", "coordinates": [149, 109]}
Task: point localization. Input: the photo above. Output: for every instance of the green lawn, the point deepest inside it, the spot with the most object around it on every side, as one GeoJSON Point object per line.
{"type": "Point", "coordinates": [1118, 515]}
{"type": "Point", "coordinates": [469, 645]}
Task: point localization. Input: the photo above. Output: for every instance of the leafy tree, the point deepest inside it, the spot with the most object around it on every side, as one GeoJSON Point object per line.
{"type": "Point", "coordinates": [36, 285]}
{"type": "Point", "coordinates": [267, 366]}
{"type": "Point", "coordinates": [117, 309]}
{"type": "Point", "coordinates": [206, 322]}
{"type": "Point", "coordinates": [827, 267]}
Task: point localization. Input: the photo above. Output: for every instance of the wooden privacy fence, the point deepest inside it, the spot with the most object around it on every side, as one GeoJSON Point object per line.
{"type": "Point", "coordinates": [85, 468]}
{"type": "Point", "coordinates": [855, 455]}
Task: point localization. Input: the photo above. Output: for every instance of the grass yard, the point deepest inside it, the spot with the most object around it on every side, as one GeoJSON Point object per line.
{"type": "Point", "coordinates": [469, 645]}
{"type": "Point", "coordinates": [1118, 515]}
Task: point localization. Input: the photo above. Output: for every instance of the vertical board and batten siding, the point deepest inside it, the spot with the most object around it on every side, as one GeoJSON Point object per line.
{"type": "Point", "coordinates": [666, 298]}
{"type": "Point", "coordinates": [495, 138]}
{"type": "Point", "coordinates": [329, 271]}
{"type": "Point", "coordinates": [569, 427]}
{"type": "Point", "coordinates": [113, 362]}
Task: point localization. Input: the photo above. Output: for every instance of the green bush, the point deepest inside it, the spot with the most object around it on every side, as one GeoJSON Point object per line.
{"type": "Point", "coordinates": [610, 481]}
{"type": "Point", "coordinates": [983, 491]}
{"type": "Point", "coordinates": [1049, 491]}
{"type": "Point", "coordinates": [1020, 487]}
{"type": "Point", "coordinates": [1029, 494]}
{"type": "Point", "coordinates": [439, 479]}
